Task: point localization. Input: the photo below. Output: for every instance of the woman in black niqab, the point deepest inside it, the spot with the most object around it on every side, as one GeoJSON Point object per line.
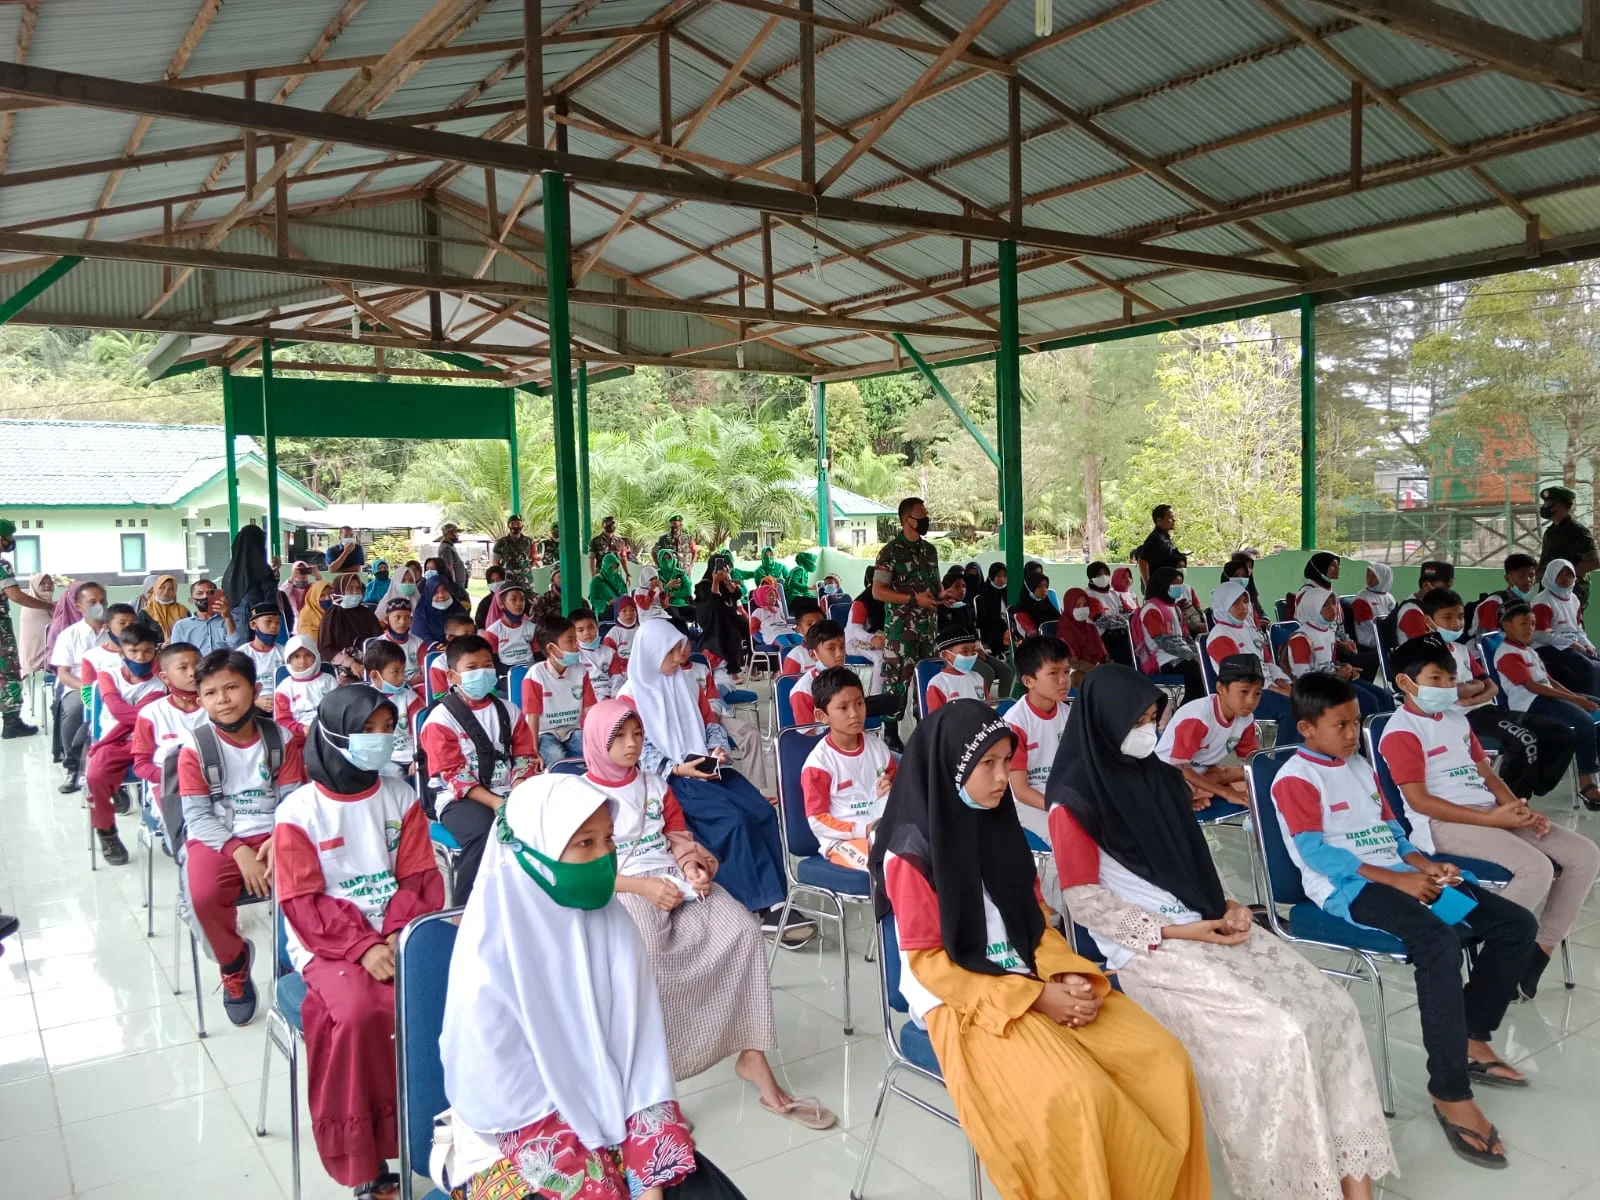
{"type": "Point", "coordinates": [1138, 810]}
{"type": "Point", "coordinates": [963, 852]}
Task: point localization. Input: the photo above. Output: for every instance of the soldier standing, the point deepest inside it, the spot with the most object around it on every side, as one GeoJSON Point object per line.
{"type": "Point", "coordinates": [906, 579]}
{"type": "Point", "coordinates": [1565, 538]}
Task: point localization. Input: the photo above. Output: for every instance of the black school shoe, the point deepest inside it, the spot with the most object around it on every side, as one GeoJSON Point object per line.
{"type": "Point", "coordinates": [13, 727]}
{"type": "Point", "coordinates": [111, 847]}
{"type": "Point", "coordinates": [238, 991]}
{"type": "Point", "coordinates": [1528, 985]}
{"type": "Point", "coordinates": [74, 783]}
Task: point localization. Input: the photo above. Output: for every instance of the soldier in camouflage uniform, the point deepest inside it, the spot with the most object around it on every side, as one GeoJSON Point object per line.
{"type": "Point", "coordinates": [906, 579]}
{"type": "Point", "coordinates": [608, 541]}
{"type": "Point", "coordinates": [11, 725]}
{"type": "Point", "coordinates": [680, 543]}
{"type": "Point", "coordinates": [1565, 538]}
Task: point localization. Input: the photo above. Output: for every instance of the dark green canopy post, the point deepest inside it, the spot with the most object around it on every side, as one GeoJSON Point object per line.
{"type": "Point", "coordinates": [228, 455]}
{"type": "Point", "coordinates": [275, 544]}
{"type": "Point", "coordinates": [557, 266]}
{"type": "Point", "coordinates": [819, 392]}
{"type": "Point", "coordinates": [1008, 420]}
{"type": "Point", "coordinates": [511, 448]}
{"type": "Point", "coordinates": [583, 451]}
{"type": "Point", "coordinates": [1308, 423]}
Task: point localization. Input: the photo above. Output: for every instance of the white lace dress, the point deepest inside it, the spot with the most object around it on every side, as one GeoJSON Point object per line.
{"type": "Point", "coordinates": [1278, 1051]}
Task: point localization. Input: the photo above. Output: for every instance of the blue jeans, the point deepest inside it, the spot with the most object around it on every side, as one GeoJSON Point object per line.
{"type": "Point", "coordinates": [1584, 748]}
{"type": "Point", "coordinates": [553, 747]}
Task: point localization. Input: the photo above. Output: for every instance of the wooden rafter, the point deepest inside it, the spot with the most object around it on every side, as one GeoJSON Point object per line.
{"type": "Point", "coordinates": [27, 21]}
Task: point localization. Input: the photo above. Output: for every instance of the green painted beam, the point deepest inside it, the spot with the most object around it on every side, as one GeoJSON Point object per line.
{"type": "Point", "coordinates": [511, 449]}
{"type": "Point", "coordinates": [587, 529]}
{"type": "Point", "coordinates": [1308, 423]}
{"type": "Point", "coordinates": [819, 394]}
{"type": "Point", "coordinates": [1008, 389]}
{"type": "Point", "coordinates": [343, 406]}
{"type": "Point", "coordinates": [559, 322]}
{"type": "Point", "coordinates": [951, 402]}
{"type": "Point", "coordinates": [275, 545]}
{"type": "Point", "coordinates": [229, 455]}
{"type": "Point", "coordinates": [37, 286]}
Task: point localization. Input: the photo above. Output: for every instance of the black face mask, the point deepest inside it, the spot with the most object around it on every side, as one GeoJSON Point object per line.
{"type": "Point", "coordinates": [1546, 513]}
{"type": "Point", "coordinates": [201, 603]}
{"type": "Point", "coordinates": [923, 524]}
{"type": "Point", "coordinates": [235, 726]}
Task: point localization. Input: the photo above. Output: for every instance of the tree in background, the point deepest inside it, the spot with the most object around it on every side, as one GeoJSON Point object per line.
{"type": "Point", "coordinates": [1224, 450]}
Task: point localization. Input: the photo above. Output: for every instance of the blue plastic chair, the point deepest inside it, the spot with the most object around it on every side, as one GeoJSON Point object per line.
{"type": "Point", "coordinates": [1490, 642]}
{"type": "Point", "coordinates": [1309, 925]}
{"type": "Point", "coordinates": [1049, 629]}
{"type": "Point", "coordinates": [285, 1032]}
{"type": "Point", "coordinates": [807, 870]}
{"type": "Point", "coordinates": [782, 709]}
{"type": "Point", "coordinates": [445, 847]}
{"type": "Point", "coordinates": [282, 673]}
{"type": "Point", "coordinates": [429, 661]}
{"type": "Point", "coordinates": [421, 971]}
{"type": "Point", "coordinates": [926, 670]}
{"type": "Point", "coordinates": [839, 610]}
{"type": "Point", "coordinates": [909, 1050]}
{"type": "Point", "coordinates": [514, 679]}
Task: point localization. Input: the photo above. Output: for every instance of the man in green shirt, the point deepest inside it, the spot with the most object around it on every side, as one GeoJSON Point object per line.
{"type": "Point", "coordinates": [906, 579]}
{"type": "Point", "coordinates": [10, 664]}
{"type": "Point", "coordinates": [1565, 538]}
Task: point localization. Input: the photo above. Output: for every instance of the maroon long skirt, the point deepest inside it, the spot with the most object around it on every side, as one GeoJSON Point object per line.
{"type": "Point", "coordinates": [349, 1024]}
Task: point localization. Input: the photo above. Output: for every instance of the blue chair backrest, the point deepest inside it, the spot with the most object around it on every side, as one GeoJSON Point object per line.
{"type": "Point", "coordinates": [1283, 878]}
{"type": "Point", "coordinates": [1054, 599]}
{"type": "Point", "coordinates": [417, 718]}
{"type": "Point", "coordinates": [1281, 607]}
{"type": "Point", "coordinates": [422, 971]}
{"type": "Point", "coordinates": [1347, 615]}
{"type": "Point", "coordinates": [1048, 628]}
{"type": "Point", "coordinates": [285, 967]}
{"type": "Point", "coordinates": [429, 662]}
{"type": "Point", "coordinates": [891, 965]}
{"type": "Point", "coordinates": [839, 610]}
{"type": "Point", "coordinates": [606, 627]}
{"type": "Point", "coordinates": [282, 672]}
{"type": "Point", "coordinates": [926, 670]}
{"type": "Point", "coordinates": [1002, 707]}
{"type": "Point", "coordinates": [97, 711]}
{"type": "Point", "coordinates": [514, 678]}
{"type": "Point", "coordinates": [1488, 643]}
{"type": "Point", "coordinates": [1279, 633]}
{"type": "Point", "coordinates": [1208, 671]}
{"type": "Point", "coordinates": [569, 766]}
{"type": "Point", "coordinates": [780, 691]}
{"type": "Point", "coordinates": [794, 747]}
{"type": "Point", "coordinates": [1386, 784]}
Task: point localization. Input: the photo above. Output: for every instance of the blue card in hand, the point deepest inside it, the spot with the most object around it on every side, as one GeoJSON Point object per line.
{"type": "Point", "coordinates": [1452, 906]}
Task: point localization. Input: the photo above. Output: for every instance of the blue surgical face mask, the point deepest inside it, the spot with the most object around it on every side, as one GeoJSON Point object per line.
{"type": "Point", "coordinates": [441, 605]}
{"type": "Point", "coordinates": [594, 645]}
{"type": "Point", "coordinates": [1563, 592]}
{"type": "Point", "coordinates": [478, 682]}
{"type": "Point", "coordinates": [369, 751]}
{"type": "Point", "coordinates": [139, 670]}
{"type": "Point", "coordinates": [389, 689]}
{"type": "Point", "coordinates": [966, 798]}
{"type": "Point", "coordinates": [570, 658]}
{"type": "Point", "coordinates": [965, 662]}
{"type": "Point", "coordinates": [406, 589]}
{"type": "Point", "coordinates": [1519, 593]}
{"type": "Point", "coordinates": [350, 600]}
{"type": "Point", "coordinates": [1449, 635]}
{"type": "Point", "coordinates": [1177, 591]}
{"type": "Point", "coordinates": [1435, 699]}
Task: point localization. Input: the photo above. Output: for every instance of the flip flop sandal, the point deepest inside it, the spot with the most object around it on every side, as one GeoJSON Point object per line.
{"type": "Point", "coordinates": [1479, 1072]}
{"type": "Point", "coordinates": [804, 1110]}
{"type": "Point", "coordinates": [1457, 1136]}
{"type": "Point", "coordinates": [1591, 797]}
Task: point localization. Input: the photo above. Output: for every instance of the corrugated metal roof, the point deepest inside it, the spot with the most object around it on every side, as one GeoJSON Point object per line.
{"type": "Point", "coordinates": [1171, 79]}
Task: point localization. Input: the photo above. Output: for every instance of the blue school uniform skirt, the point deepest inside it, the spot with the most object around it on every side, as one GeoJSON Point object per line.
{"type": "Point", "coordinates": [734, 821]}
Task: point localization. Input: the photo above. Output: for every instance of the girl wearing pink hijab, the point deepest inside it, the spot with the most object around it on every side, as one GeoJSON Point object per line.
{"type": "Point", "coordinates": [708, 956]}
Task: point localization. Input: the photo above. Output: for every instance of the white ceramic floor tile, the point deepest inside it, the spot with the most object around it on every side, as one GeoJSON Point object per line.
{"type": "Point", "coordinates": [132, 1143]}
{"type": "Point", "coordinates": [826, 1169]}
{"type": "Point", "coordinates": [136, 1081]}
{"type": "Point", "coordinates": [35, 1165]}
{"type": "Point", "coordinates": [28, 1106]}
{"type": "Point", "coordinates": [121, 1034]}
{"type": "Point", "coordinates": [21, 1056]}
{"type": "Point", "coordinates": [240, 1177]}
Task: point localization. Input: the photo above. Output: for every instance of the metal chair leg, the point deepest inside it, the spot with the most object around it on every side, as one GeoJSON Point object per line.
{"type": "Point", "coordinates": [872, 1132]}
{"type": "Point", "coordinates": [977, 1176]}
{"type": "Point", "coordinates": [294, 1112]}
{"type": "Point", "coordinates": [266, 1080]}
{"type": "Point", "coordinates": [177, 951]}
{"type": "Point", "coordinates": [94, 859]}
{"type": "Point", "coordinates": [844, 959]}
{"type": "Point", "coordinates": [199, 992]}
{"type": "Point", "coordinates": [783, 917]}
{"type": "Point", "coordinates": [1566, 966]}
{"type": "Point", "coordinates": [1383, 1035]}
{"type": "Point", "coordinates": [149, 887]}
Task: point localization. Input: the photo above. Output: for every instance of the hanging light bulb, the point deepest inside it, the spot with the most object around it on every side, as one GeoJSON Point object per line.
{"type": "Point", "coordinates": [816, 261]}
{"type": "Point", "coordinates": [1043, 17]}
{"type": "Point", "coordinates": [738, 355]}
{"type": "Point", "coordinates": [355, 324]}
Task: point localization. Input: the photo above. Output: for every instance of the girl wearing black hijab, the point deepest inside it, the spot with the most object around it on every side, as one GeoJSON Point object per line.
{"type": "Point", "coordinates": [249, 579]}
{"type": "Point", "coordinates": [1065, 1088]}
{"type": "Point", "coordinates": [1278, 1048]}
{"type": "Point", "coordinates": [352, 864]}
{"type": "Point", "coordinates": [989, 610]}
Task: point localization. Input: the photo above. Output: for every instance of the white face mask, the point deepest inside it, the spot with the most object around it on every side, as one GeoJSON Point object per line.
{"type": "Point", "coordinates": [1080, 614]}
{"type": "Point", "coordinates": [350, 600]}
{"type": "Point", "coordinates": [1141, 741]}
{"type": "Point", "coordinates": [1101, 581]}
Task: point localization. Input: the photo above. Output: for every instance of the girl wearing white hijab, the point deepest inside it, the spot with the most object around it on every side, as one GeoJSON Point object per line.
{"type": "Point", "coordinates": [555, 1057]}
{"type": "Point", "coordinates": [1559, 638]}
{"type": "Point", "coordinates": [1315, 647]}
{"type": "Point", "coordinates": [295, 702]}
{"type": "Point", "coordinates": [1236, 632]}
{"type": "Point", "coordinates": [1373, 603]}
{"type": "Point", "coordinates": [685, 743]}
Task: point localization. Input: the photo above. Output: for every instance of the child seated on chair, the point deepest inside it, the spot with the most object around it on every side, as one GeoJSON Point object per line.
{"type": "Point", "coordinates": [712, 678]}
{"type": "Point", "coordinates": [1357, 864]}
{"type": "Point", "coordinates": [386, 665]}
{"type": "Point", "coordinates": [294, 704]}
{"type": "Point", "coordinates": [263, 650]}
{"type": "Point", "coordinates": [1458, 805]}
{"type": "Point", "coordinates": [1204, 732]}
{"type": "Point", "coordinates": [122, 690]}
{"type": "Point", "coordinates": [397, 631]}
{"type": "Point", "coordinates": [456, 625]}
{"type": "Point", "coordinates": [599, 659]}
{"type": "Point", "coordinates": [1314, 647]}
{"type": "Point", "coordinates": [620, 636]}
{"type": "Point", "coordinates": [800, 658]}
{"type": "Point", "coordinates": [1037, 721]}
{"type": "Point", "coordinates": [470, 787]}
{"type": "Point", "coordinates": [228, 817]}
{"type": "Point", "coordinates": [163, 725]}
{"type": "Point", "coordinates": [767, 620]}
{"type": "Point", "coordinates": [847, 775]}
{"type": "Point", "coordinates": [509, 631]}
{"type": "Point", "coordinates": [352, 864]}
{"type": "Point", "coordinates": [826, 642]}
{"type": "Point", "coordinates": [958, 647]}
{"type": "Point", "coordinates": [557, 694]}
{"type": "Point", "coordinates": [1530, 688]}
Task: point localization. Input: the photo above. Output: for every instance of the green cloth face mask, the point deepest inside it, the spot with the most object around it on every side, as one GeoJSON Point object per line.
{"type": "Point", "coordinates": [587, 885]}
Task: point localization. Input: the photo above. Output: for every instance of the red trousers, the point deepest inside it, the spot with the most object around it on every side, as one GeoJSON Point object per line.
{"type": "Point", "coordinates": [214, 887]}
{"type": "Point", "coordinates": [349, 1024]}
{"type": "Point", "coordinates": [108, 770]}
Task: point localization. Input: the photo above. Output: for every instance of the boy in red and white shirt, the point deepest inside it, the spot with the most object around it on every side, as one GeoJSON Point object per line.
{"type": "Point", "coordinates": [599, 659]}
{"type": "Point", "coordinates": [825, 644]}
{"type": "Point", "coordinates": [263, 650]}
{"type": "Point", "coordinates": [385, 664]}
{"type": "Point", "coordinates": [958, 646]}
{"type": "Point", "coordinates": [294, 703]}
{"type": "Point", "coordinates": [397, 630]}
{"type": "Point", "coordinates": [620, 636]}
{"type": "Point", "coordinates": [469, 792]}
{"type": "Point", "coordinates": [1205, 731]}
{"type": "Point", "coordinates": [228, 844]}
{"type": "Point", "coordinates": [456, 625]}
{"type": "Point", "coordinates": [163, 726]}
{"type": "Point", "coordinates": [1038, 719]}
{"type": "Point", "coordinates": [106, 654]}
{"type": "Point", "coordinates": [121, 691]}
{"type": "Point", "coordinates": [557, 694]}
{"type": "Point", "coordinates": [799, 658]}
{"type": "Point", "coordinates": [1529, 688]}
{"type": "Point", "coordinates": [1410, 621]}
{"type": "Point", "coordinates": [847, 775]}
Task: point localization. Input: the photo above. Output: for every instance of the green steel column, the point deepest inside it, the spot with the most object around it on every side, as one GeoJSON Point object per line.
{"type": "Point", "coordinates": [819, 393]}
{"type": "Point", "coordinates": [950, 401]}
{"type": "Point", "coordinates": [36, 287]}
{"type": "Point", "coordinates": [275, 544]}
{"type": "Point", "coordinates": [1008, 387]}
{"type": "Point", "coordinates": [587, 527]}
{"type": "Point", "coordinates": [557, 322]}
{"type": "Point", "coordinates": [1308, 423]}
{"type": "Point", "coordinates": [228, 455]}
{"type": "Point", "coordinates": [511, 447]}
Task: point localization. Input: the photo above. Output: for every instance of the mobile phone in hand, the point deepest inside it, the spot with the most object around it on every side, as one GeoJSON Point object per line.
{"type": "Point", "coordinates": [709, 765]}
